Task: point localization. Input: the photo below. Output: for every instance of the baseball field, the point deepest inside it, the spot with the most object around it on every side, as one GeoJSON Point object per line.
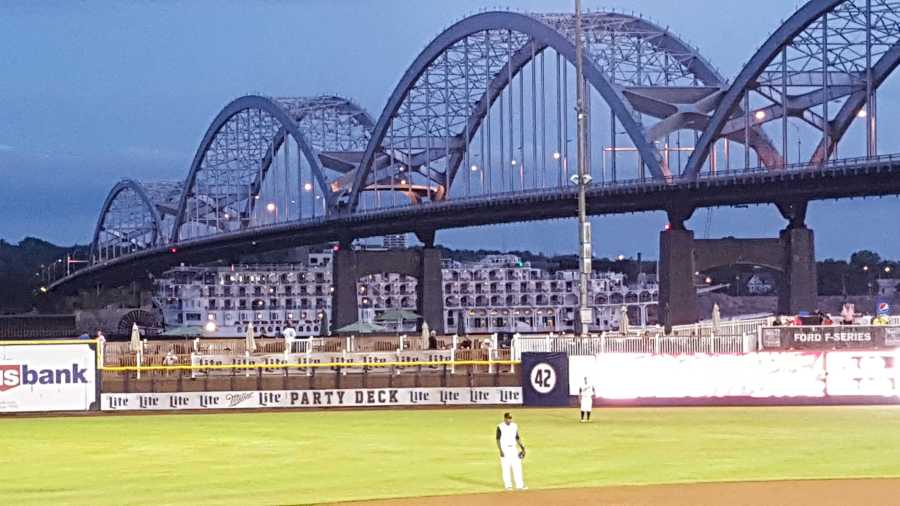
{"type": "Point", "coordinates": [625, 456]}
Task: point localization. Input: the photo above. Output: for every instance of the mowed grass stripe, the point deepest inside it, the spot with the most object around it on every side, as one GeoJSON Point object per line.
{"type": "Point", "coordinates": [322, 456]}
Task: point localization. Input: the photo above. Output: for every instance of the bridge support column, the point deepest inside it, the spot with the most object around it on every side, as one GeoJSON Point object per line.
{"type": "Point", "coordinates": [430, 293]}
{"type": "Point", "coordinates": [349, 266]}
{"type": "Point", "coordinates": [798, 293]}
{"type": "Point", "coordinates": [677, 294]}
{"type": "Point", "coordinates": [344, 305]}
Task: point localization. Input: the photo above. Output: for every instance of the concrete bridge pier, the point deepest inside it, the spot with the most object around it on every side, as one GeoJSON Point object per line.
{"type": "Point", "coordinates": [792, 255]}
{"type": "Point", "coordinates": [677, 294]}
{"type": "Point", "coordinates": [799, 288]}
{"type": "Point", "coordinates": [424, 265]}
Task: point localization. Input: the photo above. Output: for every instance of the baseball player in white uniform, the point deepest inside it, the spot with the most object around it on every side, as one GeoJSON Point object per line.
{"type": "Point", "coordinates": [512, 452]}
{"type": "Point", "coordinates": [586, 399]}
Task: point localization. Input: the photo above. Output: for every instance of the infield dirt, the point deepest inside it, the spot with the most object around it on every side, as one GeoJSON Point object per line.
{"type": "Point", "coordinates": [768, 493]}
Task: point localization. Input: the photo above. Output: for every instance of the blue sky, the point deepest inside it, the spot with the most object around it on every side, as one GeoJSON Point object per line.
{"type": "Point", "coordinates": [94, 91]}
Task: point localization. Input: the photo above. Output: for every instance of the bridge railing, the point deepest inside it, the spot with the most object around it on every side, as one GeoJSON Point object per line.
{"type": "Point", "coordinates": [829, 165]}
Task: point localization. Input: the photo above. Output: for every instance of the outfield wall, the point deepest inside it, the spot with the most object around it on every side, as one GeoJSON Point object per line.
{"type": "Point", "coordinates": [833, 377]}
{"type": "Point", "coordinates": [343, 398]}
{"type": "Point", "coordinates": [48, 376]}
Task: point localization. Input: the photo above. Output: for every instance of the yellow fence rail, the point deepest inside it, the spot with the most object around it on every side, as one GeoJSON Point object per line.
{"type": "Point", "coordinates": [305, 366]}
{"type": "Point", "coordinates": [48, 342]}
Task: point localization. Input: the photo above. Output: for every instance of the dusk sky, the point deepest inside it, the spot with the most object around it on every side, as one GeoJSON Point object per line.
{"type": "Point", "coordinates": [95, 91]}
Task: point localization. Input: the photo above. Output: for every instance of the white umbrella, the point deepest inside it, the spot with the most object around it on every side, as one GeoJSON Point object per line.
{"type": "Point", "coordinates": [426, 332]}
{"type": "Point", "coordinates": [623, 320]}
{"type": "Point", "coordinates": [250, 339]}
{"type": "Point", "coordinates": [716, 318]}
{"type": "Point", "coordinates": [135, 338]}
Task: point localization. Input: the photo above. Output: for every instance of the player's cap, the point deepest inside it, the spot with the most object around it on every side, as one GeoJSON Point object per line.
{"type": "Point", "coordinates": [507, 416]}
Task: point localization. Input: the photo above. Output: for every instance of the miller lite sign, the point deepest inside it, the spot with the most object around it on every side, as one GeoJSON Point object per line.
{"type": "Point", "coordinates": [51, 377]}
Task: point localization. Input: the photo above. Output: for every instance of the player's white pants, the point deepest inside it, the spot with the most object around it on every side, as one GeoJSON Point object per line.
{"type": "Point", "coordinates": [587, 404]}
{"type": "Point", "coordinates": [512, 464]}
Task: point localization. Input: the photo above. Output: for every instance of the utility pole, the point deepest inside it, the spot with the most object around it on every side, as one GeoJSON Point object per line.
{"type": "Point", "coordinates": [585, 315]}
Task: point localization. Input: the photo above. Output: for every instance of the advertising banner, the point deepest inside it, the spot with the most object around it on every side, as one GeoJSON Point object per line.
{"type": "Point", "coordinates": [545, 379]}
{"type": "Point", "coordinates": [863, 373]}
{"type": "Point", "coordinates": [646, 376]}
{"type": "Point", "coordinates": [830, 337]}
{"type": "Point", "coordinates": [48, 377]}
{"type": "Point", "coordinates": [372, 397]}
{"type": "Point", "coordinates": [277, 359]}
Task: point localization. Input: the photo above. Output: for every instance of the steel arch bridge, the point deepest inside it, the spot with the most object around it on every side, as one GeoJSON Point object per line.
{"type": "Point", "coordinates": [483, 119]}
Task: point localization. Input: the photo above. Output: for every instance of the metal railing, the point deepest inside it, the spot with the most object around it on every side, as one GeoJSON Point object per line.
{"type": "Point", "coordinates": [387, 211]}
{"type": "Point", "coordinates": [737, 336]}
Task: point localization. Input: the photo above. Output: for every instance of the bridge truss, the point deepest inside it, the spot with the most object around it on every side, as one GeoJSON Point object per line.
{"type": "Point", "coordinates": [487, 110]}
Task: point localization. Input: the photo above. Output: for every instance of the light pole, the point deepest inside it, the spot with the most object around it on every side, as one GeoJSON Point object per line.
{"type": "Point", "coordinates": [584, 227]}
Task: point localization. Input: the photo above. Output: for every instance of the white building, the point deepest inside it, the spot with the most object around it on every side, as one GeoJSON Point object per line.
{"type": "Point", "coordinates": [497, 293]}
{"type": "Point", "coordinates": [756, 285]}
{"type": "Point", "coordinates": [502, 293]}
{"type": "Point", "coordinates": [234, 297]}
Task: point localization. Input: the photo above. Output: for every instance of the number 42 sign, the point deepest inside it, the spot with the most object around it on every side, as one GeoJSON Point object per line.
{"type": "Point", "coordinates": [545, 379]}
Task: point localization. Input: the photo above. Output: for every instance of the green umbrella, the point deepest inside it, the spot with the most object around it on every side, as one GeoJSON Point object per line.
{"type": "Point", "coordinates": [399, 316]}
{"type": "Point", "coordinates": [361, 328]}
{"type": "Point", "coordinates": [183, 332]}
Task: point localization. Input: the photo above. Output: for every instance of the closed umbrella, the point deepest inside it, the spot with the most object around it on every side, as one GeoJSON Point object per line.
{"type": "Point", "coordinates": [426, 332]}
{"type": "Point", "coordinates": [716, 318]}
{"type": "Point", "coordinates": [135, 338]}
{"type": "Point", "coordinates": [623, 320]}
{"type": "Point", "coordinates": [250, 338]}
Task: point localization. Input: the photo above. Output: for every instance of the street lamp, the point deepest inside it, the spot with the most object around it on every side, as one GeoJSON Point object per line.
{"type": "Point", "coordinates": [584, 229]}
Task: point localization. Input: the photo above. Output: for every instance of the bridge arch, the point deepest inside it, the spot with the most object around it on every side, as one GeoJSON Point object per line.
{"type": "Point", "coordinates": [531, 35]}
{"type": "Point", "coordinates": [134, 216]}
{"type": "Point", "coordinates": [240, 145]}
{"type": "Point", "coordinates": [850, 74]}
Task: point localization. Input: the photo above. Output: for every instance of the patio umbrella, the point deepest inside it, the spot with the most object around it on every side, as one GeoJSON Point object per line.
{"type": "Point", "coordinates": [183, 332]}
{"type": "Point", "coordinates": [426, 332]}
{"type": "Point", "coordinates": [135, 338]}
{"type": "Point", "coordinates": [399, 315]}
{"type": "Point", "coordinates": [623, 321]}
{"type": "Point", "coordinates": [250, 338]}
{"type": "Point", "coordinates": [716, 318]}
{"type": "Point", "coordinates": [361, 328]}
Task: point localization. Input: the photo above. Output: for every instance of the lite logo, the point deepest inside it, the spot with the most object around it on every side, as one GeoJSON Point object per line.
{"type": "Point", "coordinates": [13, 375]}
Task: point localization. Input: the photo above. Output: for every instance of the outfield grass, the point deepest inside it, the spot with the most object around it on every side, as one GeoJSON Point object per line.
{"type": "Point", "coordinates": [303, 457]}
